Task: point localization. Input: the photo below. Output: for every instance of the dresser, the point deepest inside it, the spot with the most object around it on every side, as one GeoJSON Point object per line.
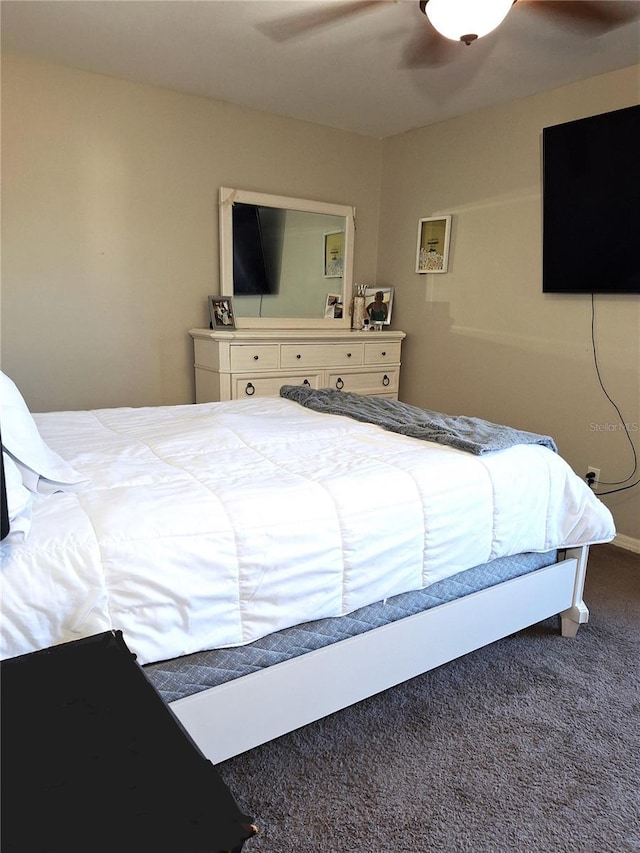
{"type": "Point", "coordinates": [234, 365]}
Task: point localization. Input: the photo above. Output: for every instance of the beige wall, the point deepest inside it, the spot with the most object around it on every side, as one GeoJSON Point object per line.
{"type": "Point", "coordinates": [110, 248]}
{"type": "Point", "coordinates": [110, 226]}
{"type": "Point", "coordinates": [483, 338]}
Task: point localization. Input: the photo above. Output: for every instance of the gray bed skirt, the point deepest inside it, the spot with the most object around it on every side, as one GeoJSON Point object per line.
{"type": "Point", "coordinates": [180, 677]}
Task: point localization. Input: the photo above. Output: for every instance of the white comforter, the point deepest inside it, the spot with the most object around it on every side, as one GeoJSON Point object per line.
{"type": "Point", "coordinates": [212, 525]}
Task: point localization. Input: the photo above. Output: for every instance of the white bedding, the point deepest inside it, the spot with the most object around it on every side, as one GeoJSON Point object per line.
{"type": "Point", "coordinates": [212, 525]}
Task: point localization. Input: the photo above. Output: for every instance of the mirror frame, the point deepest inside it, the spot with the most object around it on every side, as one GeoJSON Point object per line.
{"type": "Point", "coordinates": [227, 196]}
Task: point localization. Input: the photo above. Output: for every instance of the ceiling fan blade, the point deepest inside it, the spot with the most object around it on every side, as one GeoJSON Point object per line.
{"type": "Point", "coordinates": [304, 23]}
{"type": "Point", "coordinates": [594, 17]}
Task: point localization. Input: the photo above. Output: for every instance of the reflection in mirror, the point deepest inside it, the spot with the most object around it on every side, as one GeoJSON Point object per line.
{"type": "Point", "coordinates": [282, 258]}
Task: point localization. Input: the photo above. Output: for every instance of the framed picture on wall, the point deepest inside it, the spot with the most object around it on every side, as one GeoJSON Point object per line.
{"type": "Point", "coordinates": [221, 312]}
{"type": "Point", "coordinates": [334, 254]}
{"type": "Point", "coordinates": [434, 234]}
{"type": "Point", "coordinates": [378, 304]}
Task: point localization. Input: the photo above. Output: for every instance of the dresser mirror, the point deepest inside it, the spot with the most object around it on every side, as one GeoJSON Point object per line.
{"type": "Point", "coordinates": [287, 262]}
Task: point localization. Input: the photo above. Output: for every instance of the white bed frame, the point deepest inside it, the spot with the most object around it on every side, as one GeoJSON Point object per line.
{"type": "Point", "coordinates": [241, 714]}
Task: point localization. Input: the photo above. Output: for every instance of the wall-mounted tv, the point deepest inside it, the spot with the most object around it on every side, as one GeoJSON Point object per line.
{"type": "Point", "coordinates": [249, 270]}
{"type": "Point", "coordinates": [591, 204]}
{"type": "Point", "coordinates": [258, 233]}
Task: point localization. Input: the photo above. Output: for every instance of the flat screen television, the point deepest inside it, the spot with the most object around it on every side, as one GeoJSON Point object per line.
{"type": "Point", "coordinates": [249, 266]}
{"type": "Point", "coordinates": [591, 204]}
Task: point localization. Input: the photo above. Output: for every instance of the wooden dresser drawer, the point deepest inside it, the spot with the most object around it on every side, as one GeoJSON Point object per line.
{"type": "Point", "coordinates": [258, 356]}
{"type": "Point", "coordinates": [381, 352]}
{"type": "Point", "coordinates": [322, 355]}
{"type": "Point", "coordinates": [365, 382]}
{"type": "Point", "coordinates": [269, 386]}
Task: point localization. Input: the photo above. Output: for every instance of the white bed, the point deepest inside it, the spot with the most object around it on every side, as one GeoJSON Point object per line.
{"type": "Point", "coordinates": [208, 526]}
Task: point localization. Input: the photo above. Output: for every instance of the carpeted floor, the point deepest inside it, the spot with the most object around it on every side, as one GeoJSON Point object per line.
{"type": "Point", "coordinates": [531, 744]}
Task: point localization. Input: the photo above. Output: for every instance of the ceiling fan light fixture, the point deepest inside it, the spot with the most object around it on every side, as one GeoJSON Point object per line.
{"type": "Point", "coordinates": [466, 20]}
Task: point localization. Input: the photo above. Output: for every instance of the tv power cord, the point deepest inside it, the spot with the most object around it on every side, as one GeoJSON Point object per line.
{"type": "Point", "coordinates": [591, 476]}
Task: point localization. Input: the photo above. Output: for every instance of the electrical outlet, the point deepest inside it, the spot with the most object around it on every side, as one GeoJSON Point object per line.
{"type": "Point", "coordinates": [592, 476]}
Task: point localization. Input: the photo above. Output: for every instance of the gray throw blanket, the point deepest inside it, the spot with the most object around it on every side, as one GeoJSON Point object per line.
{"type": "Point", "coordinates": [471, 434]}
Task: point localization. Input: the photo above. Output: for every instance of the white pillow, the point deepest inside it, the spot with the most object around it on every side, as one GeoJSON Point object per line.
{"type": "Point", "coordinates": [41, 468]}
{"type": "Point", "coordinates": [18, 499]}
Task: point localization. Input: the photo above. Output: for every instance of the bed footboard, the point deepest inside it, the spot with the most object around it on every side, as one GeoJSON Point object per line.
{"type": "Point", "coordinates": [264, 705]}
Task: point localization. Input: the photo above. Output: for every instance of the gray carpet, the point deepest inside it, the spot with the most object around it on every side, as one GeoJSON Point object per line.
{"type": "Point", "coordinates": [532, 744]}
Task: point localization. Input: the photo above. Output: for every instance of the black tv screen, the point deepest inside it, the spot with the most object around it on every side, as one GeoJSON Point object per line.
{"type": "Point", "coordinates": [249, 268]}
{"type": "Point", "coordinates": [591, 204]}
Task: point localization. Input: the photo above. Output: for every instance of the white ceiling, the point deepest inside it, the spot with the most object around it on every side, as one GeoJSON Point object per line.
{"type": "Point", "coordinates": [348, 75]}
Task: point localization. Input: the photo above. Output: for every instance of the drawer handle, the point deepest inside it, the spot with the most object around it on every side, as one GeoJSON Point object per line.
{"type": "Point", "coordinates": [339, 384]}
{"type": "Point", "coordinates": [348, 355]}
{"type": "Point", "coordinates": [250, 390]}
{"type": "Point", "coordinates": [383, 353]}
{"type": "Point", "coordinates": [385, 380]}
{"type": "Point", "coordinates": [298, 356]}
{"type": "Point", "coordinates": [307, 383]}
{"type": "Point", "coordinates": [256, 357]}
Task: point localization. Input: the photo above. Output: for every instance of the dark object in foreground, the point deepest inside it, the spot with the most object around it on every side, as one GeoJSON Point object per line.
{"type": "Point", "coordinates": [93, 761]}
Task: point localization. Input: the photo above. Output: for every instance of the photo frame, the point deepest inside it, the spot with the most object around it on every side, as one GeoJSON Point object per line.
{"type": "Point", "coordinates": [434, 235]}
{"type": "Point", "coordinates": [371, 300]}
{"type": "Point", "coordinates": [333, 264]}
{"type": "Point", "coordinates": [334, 308]}
{"type": "Point", "coordinates": [221, 313]}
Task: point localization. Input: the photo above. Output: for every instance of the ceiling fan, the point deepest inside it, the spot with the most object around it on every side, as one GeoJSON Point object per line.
{"type": "Point", "coordinates": [450, 22]}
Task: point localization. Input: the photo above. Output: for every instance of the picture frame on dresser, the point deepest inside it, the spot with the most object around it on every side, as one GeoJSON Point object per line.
{"type": "Point", "coordinates": [434, 238]}
{"type": "Point", "coordinates": [334, 307]}
{"type": "Point", "coordinates": [221, 312]}
{"type": "Point", "coordinates": [371, 299]}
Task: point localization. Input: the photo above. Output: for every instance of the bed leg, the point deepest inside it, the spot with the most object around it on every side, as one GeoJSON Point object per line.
{"type": "Point", "coordinates": [572, 618]}
{"type": "Point", "coordinates": [578, 613]}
